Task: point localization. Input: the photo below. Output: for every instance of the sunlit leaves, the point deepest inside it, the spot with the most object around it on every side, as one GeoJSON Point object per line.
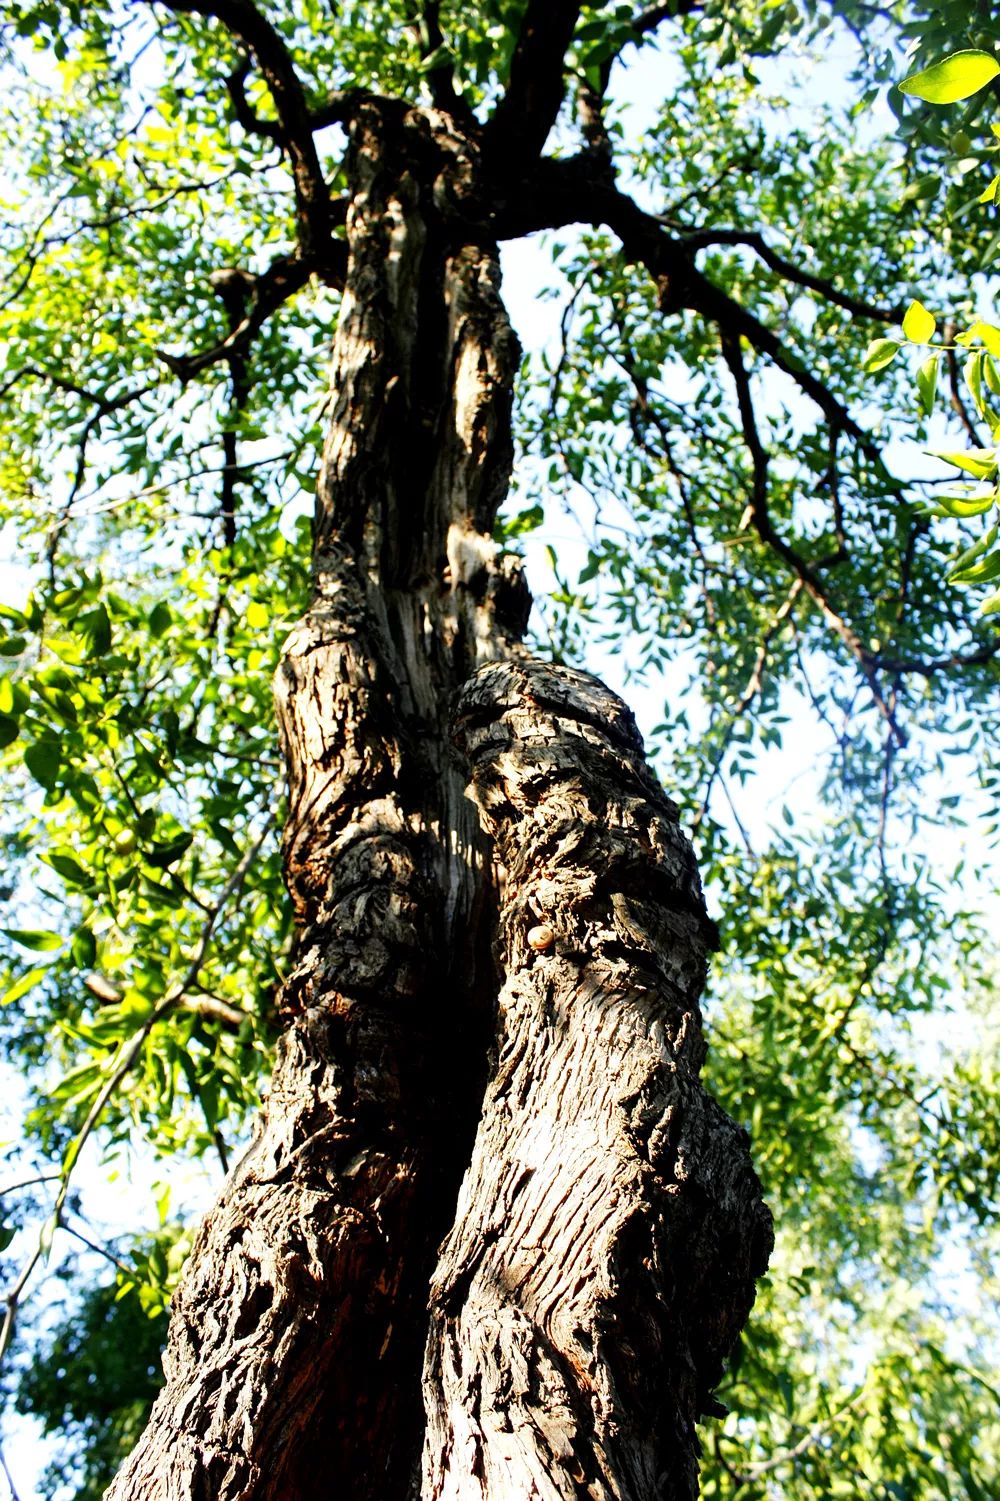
{"type": "Point", "coordinates": [135, 717]}
{"type": "Point", "coordinates": [953, 78]}
{"type": "Point", "coordinates": [880, 352]}
{"type": "Point", "coordinates": [919, 324]}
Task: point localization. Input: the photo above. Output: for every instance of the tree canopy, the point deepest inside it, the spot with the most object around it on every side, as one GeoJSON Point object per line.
{"type": "Point", "coordinates": [711, 477]}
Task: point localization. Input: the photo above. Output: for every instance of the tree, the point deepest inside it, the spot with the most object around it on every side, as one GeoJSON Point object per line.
{"type": "Point", "coordinates": [487, 1027]}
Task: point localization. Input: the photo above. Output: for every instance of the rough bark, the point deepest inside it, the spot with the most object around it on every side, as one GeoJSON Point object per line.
{"type": "Point", "coordinates": [610, 1226]}
{"type": "Point", "coordinates": [293, 1363]}
{"type": "Point", "coordinates": [603, 1253]}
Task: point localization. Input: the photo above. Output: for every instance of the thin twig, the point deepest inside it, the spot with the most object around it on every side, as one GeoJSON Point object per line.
{"type": "Point", "coordinates": [99, 1250]}
{"type": "Point", "coordinates": [11, 1188]}
{"type": "Point", "coordinates": [750, 692]}
{"type": "Point", "coordinates": [789, 1456]}
{"type": "Point", "coordinates": [790, 271]}
{"type": "Point", "coordinates": [760, 516]}
{"type": "Point", "coordinates": [8, 1477]}
{"type": "Point", "coordinates": [127, 1056]}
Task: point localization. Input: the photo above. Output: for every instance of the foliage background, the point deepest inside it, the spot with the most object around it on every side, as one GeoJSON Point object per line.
{"type": "Point", "coordinates": [852, 1016]}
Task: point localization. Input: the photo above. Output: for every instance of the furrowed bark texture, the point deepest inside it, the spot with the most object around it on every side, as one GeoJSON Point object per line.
{"type": "Point", "coordinates": [293, 1362]}
{"type": "Point", "coordinates": [610, 1227]}
{"type": "Point", "coordinates": [603, 1254]}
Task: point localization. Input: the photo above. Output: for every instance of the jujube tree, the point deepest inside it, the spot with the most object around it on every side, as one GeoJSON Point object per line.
{"type": "Point", "coordinates": [488, 1214]}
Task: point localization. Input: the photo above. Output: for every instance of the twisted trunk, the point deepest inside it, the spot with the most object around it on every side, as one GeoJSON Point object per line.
{"type": "Point", "coordinates": [609, 1226]}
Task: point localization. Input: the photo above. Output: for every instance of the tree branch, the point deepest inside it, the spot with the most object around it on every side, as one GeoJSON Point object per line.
{"type": "Point", "coordinates": [649, 19]}
{"type": "Point", "coordinates": [788, 271]}
{"type": "Point", "coordinates": [572, 191]}
{"type": "Point", "coordinates": [809, 1439]}
{"type": "Point", "coordinates": [121, 1066]}
{"type": "Point", "coordinates": [955, 386]}
{"type": "Point", "coordinates": [284, 277]}
{"type": "Point", "coordinates": [750, 692]}
{"type": "Point", "coordinates": [521, 122]}
{"type": "Point", "coordinates": [251, 123]}
{"type": "Point", "coordinates": [10, 1188]}
{"type": "Point", "coordinates": [254, 32]}
{"type": "Point", "coordinates": [760, 516]}
{"type": "Point", "coordinates": [426, 26]}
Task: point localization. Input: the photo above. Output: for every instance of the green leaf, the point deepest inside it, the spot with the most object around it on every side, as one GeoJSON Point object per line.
{"type": "Point", "coordinates": [981, 463]}
{"type": "Point", "coordinates": [953, 78]}
{"type": "Point", "coordinates": [989, 195]}
{"type": "Point", "coordinates": [963, 506]}
{"type": "Point", "coordinates": [923, 189]}
{"type": "Point", "coordinates": [7, 1233]}
{"type": "Point", "coordinates": [42, 758]}
{"type": "Point", "coordinates": [978, 548]}
{"type": "Point", "coordinates": [33, 938]}
{"type": "Point", "coordinates": [47, 1236]}
{"type": "Point", "coordinates": [918, 323]}
{"type": "Point", "coordinates": [525, 521]}
{"type": "Point", "coordinates": [991, 604]}
{"type": "Point", "coordinates": [168, 852]}
{"type": "Point", "coordinates": [68, 867]}
{"type": "Point", "coordinates": [880, 352]}
{"type": "Point", "coordinates": [983, 572]}
{"type": "Point", "coordinates": [992, 376]}
{"type": "Point", "coordinates": [160, 618]}
{"type": "Point", "coordinates": [96, 626]}
{"type": "Point", "coordinates": [22, 986]}
{"type": "Point", "coordinates": [927, 382]}
{"type": "Point", "coordinates": [83, 948]}
{"type": "Point", "coordinates": [987, 334]}
{"type": "Point", "coordinates": [974, 378]}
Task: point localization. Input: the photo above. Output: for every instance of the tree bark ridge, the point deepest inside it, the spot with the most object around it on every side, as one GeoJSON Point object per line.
{"type": "Point", "coordinates": [610, 1226]}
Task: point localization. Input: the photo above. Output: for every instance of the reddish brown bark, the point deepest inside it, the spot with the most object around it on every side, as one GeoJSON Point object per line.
{"type": "Point", "coordinates": [296, 1338]}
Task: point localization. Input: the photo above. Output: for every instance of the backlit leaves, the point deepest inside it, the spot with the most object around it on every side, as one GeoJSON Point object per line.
{"type": "Point", "coordinates": [953, 78]}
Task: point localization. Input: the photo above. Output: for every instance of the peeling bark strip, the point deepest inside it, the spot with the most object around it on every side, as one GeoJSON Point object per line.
{"type": "Point", "coordinates": [610, 1227]}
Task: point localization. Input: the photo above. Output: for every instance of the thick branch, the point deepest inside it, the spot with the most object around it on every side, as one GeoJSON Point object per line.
{"type": "Point", "coordinates": [234, 287]}
{"type": "Point", "coordinates": [572, 191]}
{"type": "Point", "coordinates": [789, 271]}
{"type": "Point", "coordinates": [426, 25]}
{"type": "Point", "coordinates": [568, 192]}
{"type": "Point", "coordinates": [249, 27]}
{"type": "Point", "coordinates": [527, 112]}
{"type": "Point", "coordinates": [284, 277]}
{"type": "Point", "coordinates": [649, 19]}
{"type": "Point", "coordinates": [251, 123]}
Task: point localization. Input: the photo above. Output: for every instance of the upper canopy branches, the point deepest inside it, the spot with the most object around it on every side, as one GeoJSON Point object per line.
{"type": "Point", "coordinates": [527, 191]}
{"type": "Point", "coordinates": [509, 79]}
{"type": "Point", "coordinates": [521, 191]}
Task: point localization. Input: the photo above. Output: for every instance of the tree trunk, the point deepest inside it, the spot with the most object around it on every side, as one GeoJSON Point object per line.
{"type": "Point", "coordinates": [609, 1226]}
